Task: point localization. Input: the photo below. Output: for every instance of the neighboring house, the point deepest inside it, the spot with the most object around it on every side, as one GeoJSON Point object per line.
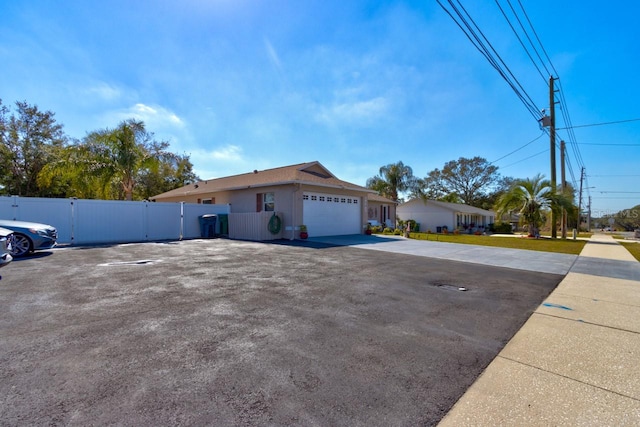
{"type": "Point", "coordinates": [381, 211]}
{"type": "Point", "coordinates": [433, 215]}
{"type": "Point", "coordinates": [305, 193]}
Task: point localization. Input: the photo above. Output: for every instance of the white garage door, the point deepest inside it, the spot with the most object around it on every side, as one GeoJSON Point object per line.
{"type": "Point", "coordinates": [331, 215]}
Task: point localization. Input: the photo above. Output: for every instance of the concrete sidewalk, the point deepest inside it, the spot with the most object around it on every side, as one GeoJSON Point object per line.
{"type": "Point", "coordinates": [575, 361]}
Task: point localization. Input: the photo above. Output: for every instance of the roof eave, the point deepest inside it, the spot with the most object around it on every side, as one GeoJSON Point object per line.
{"type": "Point", "coordinates": [267, 184]}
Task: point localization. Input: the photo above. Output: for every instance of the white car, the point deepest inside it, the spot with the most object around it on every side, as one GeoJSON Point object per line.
{"type": "Point", "coordinates": [5, 256]}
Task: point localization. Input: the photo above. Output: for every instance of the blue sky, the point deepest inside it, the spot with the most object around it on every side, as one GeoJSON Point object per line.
{"type": "Point", "coordinates": [241, 85]}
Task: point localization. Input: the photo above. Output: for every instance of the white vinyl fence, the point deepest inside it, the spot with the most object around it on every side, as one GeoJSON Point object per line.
{"type": "Point", "coordinates": [81, 221]}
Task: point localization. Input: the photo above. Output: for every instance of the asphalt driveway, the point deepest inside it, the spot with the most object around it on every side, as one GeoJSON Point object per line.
{"type": "Point", "coordinates": [220, 332]}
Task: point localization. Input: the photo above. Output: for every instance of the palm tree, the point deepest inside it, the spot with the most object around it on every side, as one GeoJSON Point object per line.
{"type": "Point", "coordinates": [393, 179]}
{"type": "Point", "coordinates": [108, 161]}
{"type": "Point", "coordinates": [530, 197]}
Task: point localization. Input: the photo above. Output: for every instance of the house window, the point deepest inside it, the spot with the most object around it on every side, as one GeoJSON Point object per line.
{"type": "Point", "coordinates": [265, 202]}
{"type": "Point", "coordinates": [343, 200]}
{"type": "Point", "coordinates": [314, 198]}
{"type": "Point", "coordinates": [269, 202]}
{"type": "Point", "coordinates": [355, 201]}
{"type": "Point", "coordinates": [329, 199]}
{"type": "Point", "coordinates": [305, 197]}
{"type": "Point", "coordinates": [211, 201]}
{"type": "Point", "coordinates": [321, 198]}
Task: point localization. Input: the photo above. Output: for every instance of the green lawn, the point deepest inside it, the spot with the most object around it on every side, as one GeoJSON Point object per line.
{"type": "Point", "coordinates": [568, 246]}
{"type": "Point", "coordinates": [634, 248]}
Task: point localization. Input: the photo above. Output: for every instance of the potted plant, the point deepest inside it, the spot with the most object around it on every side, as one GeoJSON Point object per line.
{"type": "Point", "coordinates": [367, 230]}
{"type": "Point", "coordinates": [303, 232]}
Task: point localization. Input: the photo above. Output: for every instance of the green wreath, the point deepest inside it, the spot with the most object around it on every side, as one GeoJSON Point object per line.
{"type": "Point", "coordinates": [275, 224]}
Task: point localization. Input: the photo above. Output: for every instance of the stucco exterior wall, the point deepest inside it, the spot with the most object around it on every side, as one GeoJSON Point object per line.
{"type": "Point", "coordinates": [288, 202]}
{"type": "Point", "coordinates": [429, 217]}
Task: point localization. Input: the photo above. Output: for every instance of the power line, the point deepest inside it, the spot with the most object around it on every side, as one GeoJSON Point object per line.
{"type": "Point", "coordinates": [472, 31]}
{"type": "Point", "coordinates": [526, 158]}
{"type": "Point", "coordinates": [561, 98]}
{"type": "Point", "coordinates": [617, 198]}
{"type": "Point", "coordinates": [482, 44]}
{"type": "Point", "coordinates": [609, 144]}
{"type": "Point", "coordinates": [601, 124]}
{"type": "Point", "coordinates": [619, 192]}
{"type": "Point", "coordinates": [613, 175]}
{"type": "Point", "coordinates": [519, 39]}
{"type": "Point", "coordinates": [518, 149]}
{"type": "Point", "coordinates": [538, 39]}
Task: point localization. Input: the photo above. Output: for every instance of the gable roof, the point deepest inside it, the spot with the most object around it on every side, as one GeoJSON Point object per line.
{"type": "Point", "coordinates": [311, 173]}
{"type": "Point", "coordinates": [454, 207]}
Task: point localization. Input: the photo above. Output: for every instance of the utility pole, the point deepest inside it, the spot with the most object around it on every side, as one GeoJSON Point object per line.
{"type": "Point", "coordinates": [589, 217]}
{"type": "Point", "coordinates": [552, 135]}
{"type": "Point", "coordinates": [580, 198]}
{"type": "Point", "coordinates": [564, 189]}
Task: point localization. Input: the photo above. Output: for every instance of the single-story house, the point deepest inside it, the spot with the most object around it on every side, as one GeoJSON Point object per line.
{"type": "Point", "coordinates": [433, 215]}
{"type": "Point", "coordinates": [303, 194]}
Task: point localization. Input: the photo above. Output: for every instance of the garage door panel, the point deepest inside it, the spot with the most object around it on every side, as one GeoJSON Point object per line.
{"type": "Point", "coordinates": [331, 215]}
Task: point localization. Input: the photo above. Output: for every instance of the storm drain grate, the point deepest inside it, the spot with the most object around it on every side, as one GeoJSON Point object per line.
{"type": "Point", "coordinates": [139, 262]}
{"type": "Point", "coordinates": [449, 287]}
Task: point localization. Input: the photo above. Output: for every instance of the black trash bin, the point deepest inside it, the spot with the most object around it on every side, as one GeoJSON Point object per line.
{"type": "Point", "coordinates": [208, 225]}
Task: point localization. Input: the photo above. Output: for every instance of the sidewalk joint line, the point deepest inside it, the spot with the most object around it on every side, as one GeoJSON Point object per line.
{"type": "Point", "coordinates": [586, 322]}
{"type": "Point", "coordinates": [556, 292]}
{"type": "Point", "coordinates": [570, 378]}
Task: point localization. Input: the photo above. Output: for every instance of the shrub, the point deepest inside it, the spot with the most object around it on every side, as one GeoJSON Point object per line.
{"type": "Point", "coordinates": [397, 232]}
{"type": "Point", "coordinates": [387, 230]}
{"type": "Point", "coordinates": [501, 227]}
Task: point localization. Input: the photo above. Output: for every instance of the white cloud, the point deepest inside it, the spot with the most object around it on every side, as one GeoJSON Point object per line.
{"type": "Point", "coordinates": [105, 91]}
{"type": "Point", "coordinates": [155, 114]}
{"type": "Point", "coordinates": [228, 153]}
{"type": "Point", "coordinates": [156, 118]}
{"type": "Point", "coordinates": [273, 55]}
{"type": "Point", "coordinates": [358, 112]}
{"type": "Point", "coordinates": [222, 161]}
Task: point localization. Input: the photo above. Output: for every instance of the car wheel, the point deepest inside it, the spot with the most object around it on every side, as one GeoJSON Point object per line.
{"type": "Point", "coordinates": [20, 245]}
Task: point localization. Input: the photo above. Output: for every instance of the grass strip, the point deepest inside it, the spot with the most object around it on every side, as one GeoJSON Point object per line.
{"type": "Point", "coordinates": [633, 248]}
{"type": "Point", "coordinates": [543, 244]}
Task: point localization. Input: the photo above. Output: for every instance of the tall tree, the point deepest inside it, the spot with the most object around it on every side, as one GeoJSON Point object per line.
{"type": "Point", "coordinates": [173, 171]}
{"type": "Point", "coordinates": [530, 198]}
{"type": "Point", "coordinates": [393, 179]}
{"type": "Point", "coordinates": [468, 179]}
{"type": "Point", "coordinates": [489, 199]}
{"type": "Point", "coordinates": [28, 140]}
{"type": "Point", "coordinates": [111, 164]}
